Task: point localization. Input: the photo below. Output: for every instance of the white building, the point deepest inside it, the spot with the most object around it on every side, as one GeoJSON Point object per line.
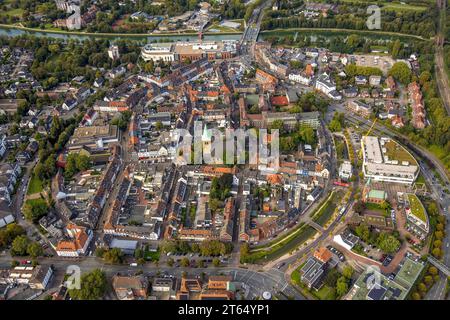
{"type": "Point", "coordinates": [77, 242]}
{"type": "Point", "coordinates": [345, 171]}
{"type": "Point", "coordinates": [385, 160]}
{"type": "Point", "coordinates": [113, 52]}
{"type": "Point", "coordinates": [158, 52]}
{"type": "Point", "coordinates": [297, 77]}
{"type": "Point", "coordinates": [325, 85]}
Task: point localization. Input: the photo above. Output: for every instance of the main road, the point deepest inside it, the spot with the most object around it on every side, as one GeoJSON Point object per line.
{"type": "Point", "coordinates": [256, 281]}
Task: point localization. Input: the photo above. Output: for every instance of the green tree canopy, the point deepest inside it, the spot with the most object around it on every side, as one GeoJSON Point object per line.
{"type": "Point", "coordinates": [401, 72]}
{"type": "Point", "coordinates": [92, 286]}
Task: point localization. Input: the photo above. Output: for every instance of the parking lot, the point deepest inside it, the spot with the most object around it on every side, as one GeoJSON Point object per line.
{"type": "Point", "coordinates": [382, 62]}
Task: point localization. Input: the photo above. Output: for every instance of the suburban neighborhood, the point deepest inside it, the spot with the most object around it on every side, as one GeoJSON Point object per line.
{"type": "Point", "coordinates": [222, 156]}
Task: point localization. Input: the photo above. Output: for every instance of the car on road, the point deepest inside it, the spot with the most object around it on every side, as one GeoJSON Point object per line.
{"type": "Point", "coordinates": [280, 265]}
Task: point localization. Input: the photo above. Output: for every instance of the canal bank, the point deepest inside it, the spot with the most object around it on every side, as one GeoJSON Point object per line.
{"type": "Point", "coordinates": [15, 31]}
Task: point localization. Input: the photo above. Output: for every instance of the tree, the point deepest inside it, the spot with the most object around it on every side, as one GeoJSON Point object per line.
{"type": "Point", "coordinates": [422, 287]}
{"type": "Point", "coordinates": [170, 262]}
{"type": "Point", "coordinates": [99, 252]}
{"type": "Point", "coordinates": [363, 232]}
{"type": "Point", "coordinates": [184, 262]}
{"type": "Point", "coordinates": [34, 210]}
{"type": "Point", "coordinates": [396, 48]}
{"type": "Point", "coordinates": [113, 255]}
{"type": "Point", "coordinates": [415, 296]}
{"type": "Point", "coordinates": [92, 286]}
{"type": "Point", "coordinates": [385, 205]}
{"type": "Point", "coordinates": [35, 250]}
{"type": "Point", "coordinates": [433, 270]}
{"type": "Point", "coordinates": [359, 206]}
{"type": "Point", "coordinates": [20, 246]}
{"type": "Point", "coordinates": [216, 262]}
{"type": "Point", "coordinates": [439, 235]}
{"type": "Point", "coordinates": [158, 125]}
{"type": "Point", "coordinates": [168, 246]}
{"type": "Point", "coordinates": [388, 243]}
{"type": "Point", "coordinates": [75, 163]}
{"type": "Point", "coordinates": [307, 134]}
{"type": "Point", "coordinates": [8, 234]}
{"type": "Point", "coordinates": [347, 272]}
{"type": "Point", "coordinates": [401, 72]}
{"type": "Point", "coordinates": [428, 280]}
{"type": "Point", "coordinates": [244, 250]}
{"type": "Point", "coordinates": [149, 67]}
{"type": "Point", "coordinates": [436, 252]}
{"type": "Point", "coordinates": [341, 286]}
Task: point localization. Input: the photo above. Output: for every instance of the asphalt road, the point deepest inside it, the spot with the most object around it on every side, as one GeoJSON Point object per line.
{"type": "Point", "coordinates": [256, 282]}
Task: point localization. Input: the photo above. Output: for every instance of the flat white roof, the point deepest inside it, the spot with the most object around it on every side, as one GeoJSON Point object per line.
{"type": "Point", "coordinates": [372, 149]}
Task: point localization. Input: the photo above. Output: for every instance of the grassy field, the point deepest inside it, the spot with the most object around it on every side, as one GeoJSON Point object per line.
{"type": "Point", "coordinates": [375, 207]}
{"type": "Point", "coordinates": [395, 6]}
{"type": "Point", "coordinates": [394, 151]}
{"type": "Point", "coordinates": [417, 208]}
{"type": "Point", "coordinates": [35, 185]}
{"type": "Point", "coordinates": [219, 28]}
{"type": "Point", "coordinates": [13, 12]}
{"type": "Point", "coordinates": [35, 201]}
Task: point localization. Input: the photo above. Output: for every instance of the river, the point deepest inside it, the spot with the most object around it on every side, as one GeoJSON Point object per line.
{"type": "Point", "coordinates": [12, 32]}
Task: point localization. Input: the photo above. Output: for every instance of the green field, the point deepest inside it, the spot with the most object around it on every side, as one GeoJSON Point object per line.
{"type": "Point", "coordinates": [35, 201]}
{"type": "Point", "coordinates": [395, 151]}
{"type": "Point", "coordinates": [395, 6]}
{"type": "Point", "coordinates": [35, 185]}
{"type": "Point", "coordinates": [375, 207]}
{"type": "Point", "coordinates": [417, 208]}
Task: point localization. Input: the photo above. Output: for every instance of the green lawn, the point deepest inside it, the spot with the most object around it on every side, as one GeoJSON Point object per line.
{"type": "Point", "coordinates": [35, 185]}
{"type": "Point", "coordinates": [35, 201]}
{"type": "Point", "coordinates": [394, 151]}
{"type": "Point", "coordinates": [417, 208]}
{"type": "Point", "coordinates": [217, 26]}
{"type": "Point", "coordinates": [12, 12]}
{"type": "Point", "coordinates": [152, 256]}
{"type": "Point", "coordinates": [325, 293]}
{"type": "Point", "coordinates": [374, 207]}
{"type": "Point", "coordinates": [395, 6]}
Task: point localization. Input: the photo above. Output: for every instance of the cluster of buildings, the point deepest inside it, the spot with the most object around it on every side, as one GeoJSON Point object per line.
{"type": "Point", "coordinates": [192, 51]}
{"type": "Point", "coordinates": [33, 279]}
{"type": "Point", "coordinates": [374, 285]}
{"type": "Point", "coordinates": [169, 288]}
{"type": "Point", "coordinates": [417, 105]}
{"type": "Point", "coordinates": [15, 75]}
{"type": "Point", "coordinates": [196, 20]}
{"type": "Point", "coordinates": [76, 20]}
